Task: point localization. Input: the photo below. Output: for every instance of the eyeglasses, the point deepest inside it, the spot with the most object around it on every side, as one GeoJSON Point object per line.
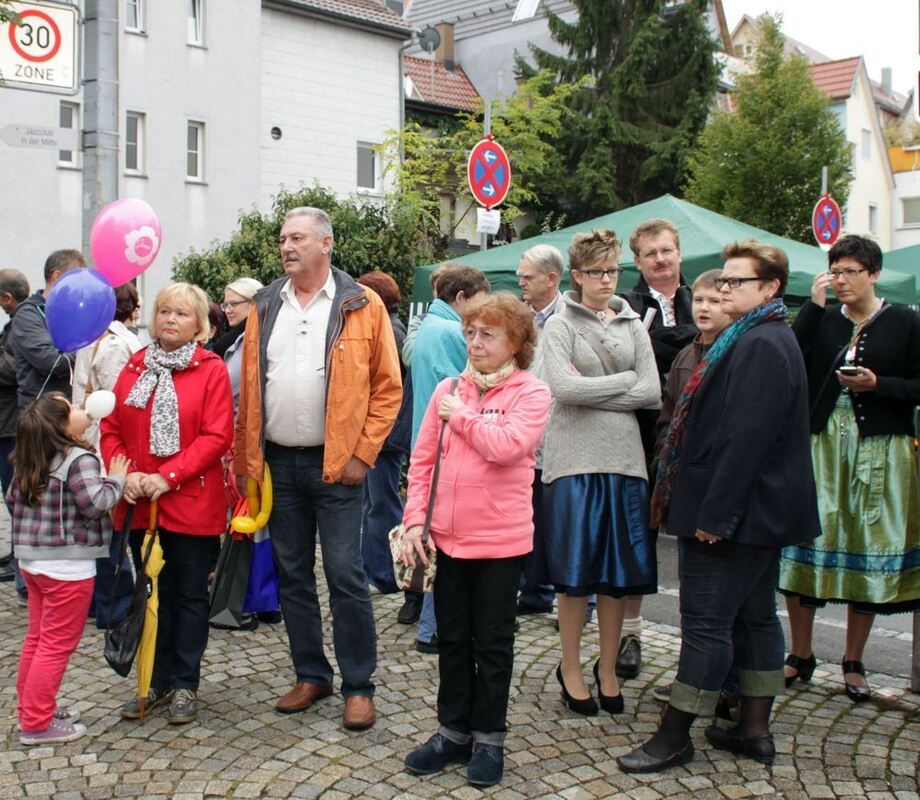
{"type": "Point", "coordinates": [734, 283]}
{"type": "Point", "coordinates": [524, 277]}
{"type": "Point", "coordinates": [233, 304]}
{"type": "Point", "coordinates": [849, 274]}
{"type": "Point", "coordinates": [597, 274]}
{"type": "Point", "coordinates": [664, 252]}
{"type": "Point", "coordinates": [485, 336]}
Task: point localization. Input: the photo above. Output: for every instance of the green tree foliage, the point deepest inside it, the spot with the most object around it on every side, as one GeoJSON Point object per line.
{"type": "Point", "coordinates": [391, 236]}
{"type": "Point", "coordinates": [430, 165]}
{"type": "Point", "coordinates": [651, 79]}
{"type": "Point", "coordinates": [6, 12]}
{"type": "Point", "coordinates": [762, 162]}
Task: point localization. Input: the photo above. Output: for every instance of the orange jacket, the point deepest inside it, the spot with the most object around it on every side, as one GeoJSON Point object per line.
{"type": "Point", "coordinates": [363, 386]}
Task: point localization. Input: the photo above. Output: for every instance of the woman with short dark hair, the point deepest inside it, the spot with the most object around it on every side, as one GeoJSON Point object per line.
{"type": "Point", "coordinates": [734, 484]}
{"type": "Point", "coordinates": [863, 361]}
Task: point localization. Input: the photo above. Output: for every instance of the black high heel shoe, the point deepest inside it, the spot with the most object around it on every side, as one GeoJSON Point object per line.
{"type": "Point", "coordinates": [611, 703]}
{"type": "Point", "coordinates": [805, 668]}
{"type": "Point", "coordinates": [858, 694]}
{"type": "Point", "coordinates": [587, 708]}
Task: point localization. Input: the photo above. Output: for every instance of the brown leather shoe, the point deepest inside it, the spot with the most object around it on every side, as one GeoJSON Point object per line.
{"type": "Point", "coordinates": [302, 696]}
{"type": "Point", "coordinates": [359, 713]}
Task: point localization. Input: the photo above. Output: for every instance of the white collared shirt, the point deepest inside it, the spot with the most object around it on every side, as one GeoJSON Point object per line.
{"type": "Point", "coordinates": [295, 376]}
{"type": "Point", "coordinates": [666, 304]}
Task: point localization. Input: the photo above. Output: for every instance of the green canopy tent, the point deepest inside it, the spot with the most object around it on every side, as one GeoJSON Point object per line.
{"type": "Point", "coordinates": [703, 234]}
{"type": "Point", "coordinates": [906, 260]}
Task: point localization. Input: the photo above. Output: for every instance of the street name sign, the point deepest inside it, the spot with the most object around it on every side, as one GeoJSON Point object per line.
{"type": "Point", "coordinates": [826, 221]}
{"type": "Point", "coordinates": [42, 52]}
{"type": "Point", "coordinates": [18, 135]}
{"type": "Point", "coordinates": [488, 172]}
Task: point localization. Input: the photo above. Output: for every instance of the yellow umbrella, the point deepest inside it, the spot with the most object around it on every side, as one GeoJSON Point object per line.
{"type": "Point", "coordinates": [260, 507]}
{"type": "Point", "coordinates": [147, 647]}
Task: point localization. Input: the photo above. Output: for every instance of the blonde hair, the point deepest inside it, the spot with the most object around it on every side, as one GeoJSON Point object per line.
{"type": "Point", "coordinates": [192, 296]}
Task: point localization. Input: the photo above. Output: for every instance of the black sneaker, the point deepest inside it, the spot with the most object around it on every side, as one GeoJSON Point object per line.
{"type": "Point", "coordinates": [486, 765]}
{"type": "Point", "coordinates": [269, 617]}
{"type": "Point", "coordinates": [524, 608]}
{"type": "Point", "coordinates": [429, 648]}
{"type": "Point", "coordinates": [629, 657]}
{"type": "Point", "coordinates": [132, 709]}
{"type": "Point", "coordinates": [411, 609]}
{"type": "Point", "coordinates": [436, 754]}
{"type": "Point", "coordinates": [183, 708]}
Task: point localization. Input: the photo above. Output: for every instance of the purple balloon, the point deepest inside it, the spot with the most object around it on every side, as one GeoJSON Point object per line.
{"type": "Point", "coordinates": [79, 308]}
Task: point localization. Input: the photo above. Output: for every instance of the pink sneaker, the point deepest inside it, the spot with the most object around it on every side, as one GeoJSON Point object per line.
{"type": "Point", "coordinates": [55, 733]}
{"type": "Point", "coordinates": [66, 715]}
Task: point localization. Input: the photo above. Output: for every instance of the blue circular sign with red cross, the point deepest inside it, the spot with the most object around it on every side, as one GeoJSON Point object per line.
{"type": "Point", "coordinates": [489, 172]}
{"type": "Point", "coordinates": [826, 220]}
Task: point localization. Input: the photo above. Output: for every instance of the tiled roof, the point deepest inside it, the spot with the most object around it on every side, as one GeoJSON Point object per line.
{"type": "Point", "coordinates": [367, 11]}
{"type": "Point", "coordinates": [835, 78]}
{"type": "Point", "coordinates": [433, 83]}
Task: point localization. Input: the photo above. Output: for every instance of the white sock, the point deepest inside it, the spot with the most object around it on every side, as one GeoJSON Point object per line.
{"type": "Point", "coordinates": [632, 626]}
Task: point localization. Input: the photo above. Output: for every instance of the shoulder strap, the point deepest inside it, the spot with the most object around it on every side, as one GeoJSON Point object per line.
{"type": "Point", "coordinates": [432, 491]}
{"type": "Point", "coordinates": [594, 341]}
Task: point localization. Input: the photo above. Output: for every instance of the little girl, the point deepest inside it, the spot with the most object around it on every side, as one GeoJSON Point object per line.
{"type": "Point", "coordinates": [59, 502]}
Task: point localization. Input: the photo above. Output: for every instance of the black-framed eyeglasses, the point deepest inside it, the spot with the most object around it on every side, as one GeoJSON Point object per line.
{"type": "Point", "coordinates": [849, 273]}
{"type": "Point", "coordinates": [734, 283]}
{"type": "Point", "coordinates": [597, 274]}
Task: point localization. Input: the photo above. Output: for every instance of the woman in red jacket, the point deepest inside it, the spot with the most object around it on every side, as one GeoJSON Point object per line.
{"type": "Point", "coordinates": [174, 419]}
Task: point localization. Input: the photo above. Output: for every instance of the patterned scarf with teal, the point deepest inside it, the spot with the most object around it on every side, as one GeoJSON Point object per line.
{"type": "Point", "coordinates": [669, 460]}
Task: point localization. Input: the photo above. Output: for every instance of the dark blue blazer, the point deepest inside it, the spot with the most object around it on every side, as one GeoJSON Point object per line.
{"type": "Point", "coordinates": [745, 472]}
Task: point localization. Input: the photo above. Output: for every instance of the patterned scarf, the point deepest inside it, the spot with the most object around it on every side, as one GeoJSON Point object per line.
{"type": "Point", "coordinates": [671, 453]}
{"type": "Point", "coordinates": [157, 375]}
{"type": "Point", "coordinates": [484, 381]}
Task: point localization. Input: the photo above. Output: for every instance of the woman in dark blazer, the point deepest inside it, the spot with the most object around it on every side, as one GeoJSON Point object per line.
{"type": "Point", "coordinates": [863, 361]}
{"type": "Point", "coordinates": [735, 484]}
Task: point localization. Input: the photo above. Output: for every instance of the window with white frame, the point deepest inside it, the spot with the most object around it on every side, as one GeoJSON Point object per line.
{"type": "Point", "coordinates": [69, 117]}
{"type": "Point", "coordinates": [911, 210]}
{"type": "Point", "coordinates": [134, 15]}
{"type": "Point", "coordinates": [526, 9]}
{"type": "Point", "coordinates": [873, 218]}
{"type": "Point", "coordinates": [196, 22]}
{"type": "Point", "coordinates": [866, 144]}
{"type": "Point", "coordinates": [367, 166]}
{"type": "Point", "coordinates": [194, 151]}
{"type": "Point", "coordinates": [854, 160]}
{"type": "Point", "coordinates": [134, 142]}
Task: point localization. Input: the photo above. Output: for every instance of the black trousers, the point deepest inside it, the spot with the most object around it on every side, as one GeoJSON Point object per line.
{"type": "Point", "coordinates": [475, 603]}
{"type": "Point", "coordinates": [182, 629]}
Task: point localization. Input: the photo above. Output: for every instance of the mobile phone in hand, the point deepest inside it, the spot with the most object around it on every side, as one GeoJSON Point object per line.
{"type": "Point", "coordinates": [850, 372]}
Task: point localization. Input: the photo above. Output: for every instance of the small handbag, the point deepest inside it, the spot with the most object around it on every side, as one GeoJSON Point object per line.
{"type": "Point", "coordinates": [419, 578]}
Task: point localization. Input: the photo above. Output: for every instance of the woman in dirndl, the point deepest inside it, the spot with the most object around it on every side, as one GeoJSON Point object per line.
{"type": "Point", "coordinates": [863, 360]}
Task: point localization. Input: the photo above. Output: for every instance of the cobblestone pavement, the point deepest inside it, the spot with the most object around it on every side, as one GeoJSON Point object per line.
{"type": "Point", "coordinates": [241, 748]}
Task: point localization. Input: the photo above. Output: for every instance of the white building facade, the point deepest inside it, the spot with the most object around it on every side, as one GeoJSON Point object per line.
{"type": "Point", "coordinates": [221, 103]}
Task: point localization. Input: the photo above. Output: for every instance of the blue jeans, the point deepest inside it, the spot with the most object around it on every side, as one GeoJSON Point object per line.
{"type": "Point", "coordinates": [427, 624]}
{"type": "Point", "coordinates": [304, 506]}
{"type": "Point", "coordinates": [727, 613]}
{"type": "Point", "coordinates": [383, 511]}
{"type": "Point", "coordinates": [536, 589]}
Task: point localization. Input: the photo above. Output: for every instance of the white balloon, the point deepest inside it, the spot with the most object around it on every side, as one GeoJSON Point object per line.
{"type": "Point", "coordinates": [100, 404]}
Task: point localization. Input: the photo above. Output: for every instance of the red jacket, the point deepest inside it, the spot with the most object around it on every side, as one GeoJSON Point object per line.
{"type": "Point", "coordinates": [196, 503]}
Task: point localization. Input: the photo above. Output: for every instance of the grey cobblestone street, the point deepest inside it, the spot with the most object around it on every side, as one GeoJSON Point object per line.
{"type": "Point", "coordinates": [241, 748]}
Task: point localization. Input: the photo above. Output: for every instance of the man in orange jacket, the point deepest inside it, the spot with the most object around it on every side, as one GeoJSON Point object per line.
{"type": "Point", "coordinates": [319, 391]}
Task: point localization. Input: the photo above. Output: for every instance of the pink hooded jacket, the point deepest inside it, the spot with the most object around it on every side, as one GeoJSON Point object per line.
{"type": "Point", "coordinates": [483, 507]}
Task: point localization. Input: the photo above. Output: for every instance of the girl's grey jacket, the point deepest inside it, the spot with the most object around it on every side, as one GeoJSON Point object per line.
{"type": "Point", "coordinates": [71, 519]}
{"type": "Point", "coordinates": [592, 427]}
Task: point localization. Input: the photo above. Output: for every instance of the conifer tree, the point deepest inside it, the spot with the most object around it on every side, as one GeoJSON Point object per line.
{"type": "Point", "coordinates": [652, 81]}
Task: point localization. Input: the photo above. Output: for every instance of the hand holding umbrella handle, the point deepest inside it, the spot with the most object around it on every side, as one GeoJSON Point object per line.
{"type": "Point", "coordinates": [258, 517]}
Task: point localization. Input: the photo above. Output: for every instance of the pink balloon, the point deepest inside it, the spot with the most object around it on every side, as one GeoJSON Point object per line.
{"type": "Point", "coordinates": [125, 240]}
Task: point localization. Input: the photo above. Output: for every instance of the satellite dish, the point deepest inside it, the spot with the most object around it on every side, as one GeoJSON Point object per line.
{"type": "Point", "coordinates": [429, 39]}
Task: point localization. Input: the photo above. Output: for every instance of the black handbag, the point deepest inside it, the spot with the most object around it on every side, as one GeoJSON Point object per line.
{"type": "Point", "coordinates": [231, 577]}
{"type": "Point", "coordinates": [122, 639]}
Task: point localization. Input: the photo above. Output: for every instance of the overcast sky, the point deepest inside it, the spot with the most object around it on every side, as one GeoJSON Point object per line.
{"type": "Point", "coordinates": [883, 32]}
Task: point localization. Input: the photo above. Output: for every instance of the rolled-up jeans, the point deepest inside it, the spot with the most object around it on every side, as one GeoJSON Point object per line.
{"type": "Point", "coordinates": [304, 507]}
{"type": "Point", "coordinates": [727, 611]}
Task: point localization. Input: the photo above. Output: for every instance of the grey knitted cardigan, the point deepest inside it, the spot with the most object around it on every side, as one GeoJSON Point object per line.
{"type": "Point", "coordinates": [592, 427]}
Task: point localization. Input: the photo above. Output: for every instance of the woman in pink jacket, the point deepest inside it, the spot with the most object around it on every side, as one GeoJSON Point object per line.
{"type": "Point", "coordinates": [482, 527]}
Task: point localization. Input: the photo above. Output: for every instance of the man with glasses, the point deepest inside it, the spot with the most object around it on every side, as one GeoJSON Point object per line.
{"type": "Point", "coordinates": [665, 302]}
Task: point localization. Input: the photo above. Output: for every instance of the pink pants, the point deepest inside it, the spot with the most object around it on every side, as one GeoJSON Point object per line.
{"type": "Point", "coordinates": [57, 616]}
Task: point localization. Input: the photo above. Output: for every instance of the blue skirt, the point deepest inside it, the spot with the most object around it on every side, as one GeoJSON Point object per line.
{"type": "Point", "coordinates": [597, 536]}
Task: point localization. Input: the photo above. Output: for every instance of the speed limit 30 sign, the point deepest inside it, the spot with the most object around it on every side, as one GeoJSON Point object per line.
{"type": "Point", "coordinates": [41, 53]}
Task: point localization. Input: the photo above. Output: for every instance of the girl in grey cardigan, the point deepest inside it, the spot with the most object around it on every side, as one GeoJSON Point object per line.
{"type": "Point", "coordinates": [598, 362]}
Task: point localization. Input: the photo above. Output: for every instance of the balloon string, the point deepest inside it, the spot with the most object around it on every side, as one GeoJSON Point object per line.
{"type": "Point", "coordinates": [53, 367]}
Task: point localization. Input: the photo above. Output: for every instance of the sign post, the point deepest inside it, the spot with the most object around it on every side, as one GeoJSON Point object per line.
{"type": "Point", "coordinates": [42, 53]}
{"type": "Point", "coordinates": [826, 221]}
{"type": "Point", "coordinates": [488, 172]}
